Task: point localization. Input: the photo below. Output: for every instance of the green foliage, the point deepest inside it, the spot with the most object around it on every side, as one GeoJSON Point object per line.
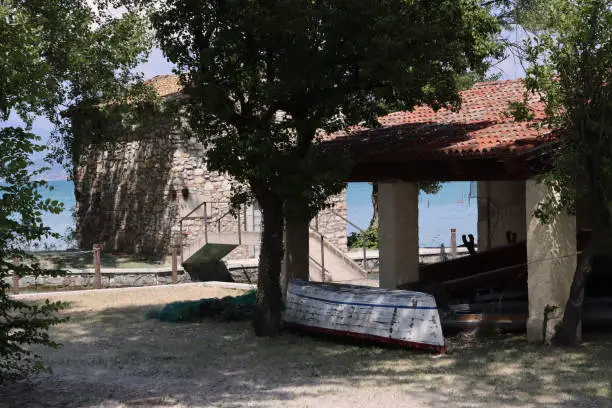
{"type": "Point", "coordinates": [570, 64]}
{"type": "Point", "coordinates": [520, 112]}
{"type": "Point", "coordinates": [570, 70]}
{"type": "Point", "coordinates": [266, 79]}
{"type": "Point", "coordinates": [355, 239]}
{"type": "Point", "coordinates": [55, 54]}
{"type": "Point", "coordinates": [429, 187]}
{"type": "Point", "coordinates": [21, 211]}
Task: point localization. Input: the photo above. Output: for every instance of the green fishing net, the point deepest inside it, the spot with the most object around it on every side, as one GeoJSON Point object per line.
{"type": "Point", "coordinates": [227, 308]}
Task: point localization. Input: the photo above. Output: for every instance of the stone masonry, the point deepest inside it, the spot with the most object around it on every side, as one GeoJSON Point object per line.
{"type": "Point", "coordinates": [131, 195]}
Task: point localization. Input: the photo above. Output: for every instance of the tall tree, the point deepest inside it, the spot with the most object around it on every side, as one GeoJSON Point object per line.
{"type": "Point", "coordinates": [571, 67]}
{"type": "Point", "coordinates": [55, 53]}
{"type": "Point", "coordinates": [266, 79]}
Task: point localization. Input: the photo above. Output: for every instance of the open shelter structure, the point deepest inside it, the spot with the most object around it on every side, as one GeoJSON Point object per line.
{"type": "Point", "coordinates": [479, 142]}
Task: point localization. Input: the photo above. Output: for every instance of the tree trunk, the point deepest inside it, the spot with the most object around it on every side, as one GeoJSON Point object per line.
{"type": "Point", "coordinates": [572, 316]}
{"type": "Point", "coordinates": [267, 320]}
{"type": "Point", "coordinates": [296, 256]}
{"type": "Point", "coordinates": [374, 221]}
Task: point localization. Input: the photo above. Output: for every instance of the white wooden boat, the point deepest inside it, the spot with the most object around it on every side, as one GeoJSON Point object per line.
{"type": "Point", "coordinates": [390, 316]}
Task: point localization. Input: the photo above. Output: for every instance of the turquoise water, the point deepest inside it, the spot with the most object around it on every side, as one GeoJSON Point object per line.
{"type": "Point", "coordinates": [62, 191]}
{"type": "Point", "coordinates": [451, 207]}
{"type": "Point", "coordinates": [438, 213]}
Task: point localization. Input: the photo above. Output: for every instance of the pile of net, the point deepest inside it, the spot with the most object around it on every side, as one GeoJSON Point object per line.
{"type": "Point", "coordinates": [229, 308]}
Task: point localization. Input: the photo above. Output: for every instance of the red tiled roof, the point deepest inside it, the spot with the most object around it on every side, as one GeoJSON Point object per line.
{"type": "Point", "coordinates": [479, 128]}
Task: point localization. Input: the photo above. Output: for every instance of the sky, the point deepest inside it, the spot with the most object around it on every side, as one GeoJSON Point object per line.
{"type": "Point", "coordinates": [157, 64]}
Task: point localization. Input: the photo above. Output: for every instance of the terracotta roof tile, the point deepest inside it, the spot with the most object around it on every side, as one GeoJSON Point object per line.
{"type": "Point", "coordinates": [480, 127]}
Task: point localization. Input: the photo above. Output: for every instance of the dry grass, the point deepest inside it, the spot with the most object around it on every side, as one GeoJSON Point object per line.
{"type": "Point", "coordinates": [94, 301]}
{"type": "Point", "coordinates": [114, 357]}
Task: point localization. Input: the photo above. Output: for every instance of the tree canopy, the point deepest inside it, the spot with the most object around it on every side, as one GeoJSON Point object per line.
{"type": "Point", "coordinates": [570, 67]}
{"type": "Point", "coordinates": [55, 54]}
{"type": "Point", "coordinates": [266, 79]}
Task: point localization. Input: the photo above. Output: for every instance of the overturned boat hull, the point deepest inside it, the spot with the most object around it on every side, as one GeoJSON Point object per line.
{"type": "Point", "coordinates": [399, 317]}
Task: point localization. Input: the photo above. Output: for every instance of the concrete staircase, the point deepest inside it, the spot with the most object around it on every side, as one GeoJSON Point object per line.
{"type": "Point", "coordinates": [328, 263]}
{"type": "Point", "coordinates": [216, 240]}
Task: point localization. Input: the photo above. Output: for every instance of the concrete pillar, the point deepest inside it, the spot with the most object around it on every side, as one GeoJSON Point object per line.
{"type": "Point", "coordinates": [295, 262]}
{"type": "Point", "coordinates": [551, 259]}
{"type": "Point", "coordinates": [398, 234]}
{"type": "Point", "coordinates": [501, 208]}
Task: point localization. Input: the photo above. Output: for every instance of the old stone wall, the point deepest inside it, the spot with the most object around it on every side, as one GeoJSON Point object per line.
{"type": "Point", "coordinates": [131, 195]}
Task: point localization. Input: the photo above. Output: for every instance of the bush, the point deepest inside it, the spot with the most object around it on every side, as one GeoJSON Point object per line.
{"type": "Point", "coordinates": [21, 208]}
{"type": "Point", "coordinates": [355, 239]}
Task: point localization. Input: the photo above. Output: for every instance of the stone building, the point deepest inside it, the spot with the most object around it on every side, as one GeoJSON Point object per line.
{"type": "Point", "coordinates": [131, 195]}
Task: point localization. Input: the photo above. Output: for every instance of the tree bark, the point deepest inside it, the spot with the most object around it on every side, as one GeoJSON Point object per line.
{"type": "Point", "coordinates": [267, 319]}
{"type": "Point", "coordinates": [374, 221]}
{"type": "Point", "coordinates": [572, 316]}
{"type": "Point", "coordinates": [296, 256]}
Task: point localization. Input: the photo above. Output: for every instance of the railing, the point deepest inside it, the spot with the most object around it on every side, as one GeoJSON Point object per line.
{"type": "Point", "coordinates": [240, 216]}
{"type": "Point", "coordinates": [363, 232]}
{"type": "Point", "coordinates": [319, 266]}
{"type": "Point", "coordinates": [210, 225]}
{"type": "Point", "coordinates": [333, 248]}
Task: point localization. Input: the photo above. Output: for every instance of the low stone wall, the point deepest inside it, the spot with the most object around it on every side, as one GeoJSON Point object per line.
{"type": "Point", "coordinates": [247, 274]}
{"type": "Point", "coordinates": [426, 256]}
{"type": "Point", "coordinates": [245, 270]}
{"type": "Point", "coordinates": [115, 279]}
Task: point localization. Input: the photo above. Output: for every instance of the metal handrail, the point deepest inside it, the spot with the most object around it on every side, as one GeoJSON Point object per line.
{"type": "Point", "coordinates": [208, 222]}
{"type": "Point", "coordinates": [317, 264]}
{"type": "Point", "coordinates": [192, 211]}
{"type": "Point", "coordinates": [343, 218]}
{"type": "Point", "coordinates": [363, 232]}
{"type": "Point", "coordinates": [220, 218]}
{"type": "Point", "coordinates": [322, 237]}
{"type": "Point", "coordinates": [188, 216]}
{"type": "Point", "coordinates": [339, 252]}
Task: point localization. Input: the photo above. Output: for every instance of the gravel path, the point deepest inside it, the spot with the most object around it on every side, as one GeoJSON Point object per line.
{"type": "Point", "coordinates": [114, 357]}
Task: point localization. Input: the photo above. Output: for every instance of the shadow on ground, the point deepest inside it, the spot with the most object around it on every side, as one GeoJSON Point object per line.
{"type": "Point", "coordinates": [117, 358]}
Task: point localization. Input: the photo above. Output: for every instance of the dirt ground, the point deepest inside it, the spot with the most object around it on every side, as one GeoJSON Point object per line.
{"type": "Point", "coordinates": [114, 357]}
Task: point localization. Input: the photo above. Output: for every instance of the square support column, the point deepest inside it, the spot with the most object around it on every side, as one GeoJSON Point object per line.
{"type": "Point", "coordinates": [501, 208]}
{"type": "Point", "coordinates": [551, 263]}
{"type": "Point", "coordinates": [398, 234]}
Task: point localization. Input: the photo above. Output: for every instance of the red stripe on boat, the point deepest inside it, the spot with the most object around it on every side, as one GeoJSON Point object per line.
{"type": "Point", "coordinates": [363, 336]}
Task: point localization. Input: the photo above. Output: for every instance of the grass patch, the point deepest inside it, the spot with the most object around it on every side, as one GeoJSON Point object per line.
{"type": "Point", "coordinates": [80, 260]}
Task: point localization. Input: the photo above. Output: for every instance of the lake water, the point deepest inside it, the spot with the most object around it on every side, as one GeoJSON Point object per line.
{"type": "Point", "coordinates": [452, 207]}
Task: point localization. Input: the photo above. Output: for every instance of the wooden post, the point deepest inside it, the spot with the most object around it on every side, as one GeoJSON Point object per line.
{"type": "Point", "coordinates": [97, 267]}
{"type": "Point", "coordinates": [16, 262]}
{"type": "Point", "coordinates": [174, 264]}
{"type": "Point", "coordinates": [453, 243]}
